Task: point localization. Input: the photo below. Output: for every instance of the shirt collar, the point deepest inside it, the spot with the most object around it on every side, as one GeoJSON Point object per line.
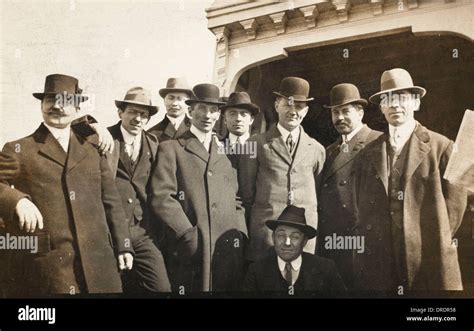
{"type": "Point", "coordinates": [353, 133]}
{"type": "Point", "coordinates": [176, 121]}
{"type": "Point", "coordinates": [129, 138]}
{"type": "Point", "coordinates": [284, 132]}
{"type": "Point", "coordinates": [405, 130]}
{"type": "Point", "coordinates": [202, 136]}
{"type": "Point", "coordinates": [295, 264]}
{"type": "Point", "coordinates": [56, 132]}
{"type": "Point", "coordinates": [243, 138]}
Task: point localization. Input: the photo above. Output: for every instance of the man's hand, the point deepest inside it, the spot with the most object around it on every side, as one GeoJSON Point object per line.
{"type": "Point", "coordinates": [125, 261]}
{"type": "Point", "coordinates": [188, 243]}
{"type": "Point", "coordinates": [28, 215]}
{"type": "Point", "coordinates": [106, 142]}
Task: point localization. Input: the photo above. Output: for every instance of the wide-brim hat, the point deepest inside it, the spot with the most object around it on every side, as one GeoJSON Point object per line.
{"type": "Point", "coordinates": [178, 84]}
{"type": "Point", "coordinates": [344, 94]}
{"type": "Point", "coordinates": [295, 88]}
{"type": "Point", "coordinates": [205, 93]}
{"type": "Point", "coordinates": [61, 84]}
{"type": "Point", "coordinates": [295, 217]}
{"type": "Point", "coordinates": [137, 96]}
{"type": "Point", "coordinates": [241, 100]}
{"type": "Point", "coordinates": [396, 80]}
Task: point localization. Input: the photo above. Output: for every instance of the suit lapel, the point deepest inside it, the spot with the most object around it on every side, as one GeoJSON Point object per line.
{"type": "Point", "coordinates": [378, 157]}
{"type": "Point", "coordinates": [303, 147]}
{"type": "Point", "coordinates": [278, 145]}
{"type": "Point", "coordinates": [342, 158]}
{"type": "Point", "coordinates": [76, 151]}
{"type": "Point", "coordinates": [113, 158]}
{"type": "Point", "coordinates": [169, 131]}
{"type": "Point", "coordinates": [193, 145]}
{"type": "Point", "coordinates": [418, 147]}
{"type": "Point", "coordinates": [50, 147]}
{"type": "Point", "coordinates": [214, 155]}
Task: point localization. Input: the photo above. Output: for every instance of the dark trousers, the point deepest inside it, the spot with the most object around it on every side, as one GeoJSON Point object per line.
{"type": "Point", "coordinates": [148, 274]}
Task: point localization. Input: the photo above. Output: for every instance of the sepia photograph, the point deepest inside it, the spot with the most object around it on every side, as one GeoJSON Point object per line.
{"type": "Point", "coordinates": [237, 153]}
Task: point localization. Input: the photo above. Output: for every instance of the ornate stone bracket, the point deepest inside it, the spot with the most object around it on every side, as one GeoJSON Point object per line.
{"type": "Point", "coordinates": [377, 6]}
{"type": "Point", "coordinates": [342, 9]}
{"type": "Point", "coordinates": [279, 20]}
{"type": "Point", "coordinates": [222, 34]}
{"type": "Point", "coordinates": [250, 27]}
{"type": "Point", "coordinates": [310, 14]}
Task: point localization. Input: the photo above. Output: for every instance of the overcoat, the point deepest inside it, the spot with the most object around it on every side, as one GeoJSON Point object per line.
{"type": "Point", "coordinates": [196, 191]}
{"type": "Point", "coordinates": [82, 213]}
{"type": "Point", "coordinates": [165, 130]}
{"type": "Point", "coordinates": [336, 201]}
{"type": "Point", "coordinates": [432, 212]}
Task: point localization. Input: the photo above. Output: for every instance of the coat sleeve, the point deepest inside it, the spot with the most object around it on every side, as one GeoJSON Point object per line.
{"type": "Point", "coordinates": [9, 170]}
{"type": "Point", "coordinates": [335, 285]}
{"type": "Point", "coordinates": [455, 196]}
{"type": "Point", "coordinates": [320, 156]}
{"type": "Point", "coordinates": [115, 214]}
{"type": "Point", "coordinates": [165, 191]}
{"type": "Point", "coordinates": [247, 178]}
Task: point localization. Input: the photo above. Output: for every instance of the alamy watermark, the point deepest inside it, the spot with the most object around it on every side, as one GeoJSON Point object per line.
{"type": "Point", "coordinates": [336, 242]}
{"type": "Point", "coordinates": [248, 148]}
{"type": "Point", "coordinates": [13, 242]}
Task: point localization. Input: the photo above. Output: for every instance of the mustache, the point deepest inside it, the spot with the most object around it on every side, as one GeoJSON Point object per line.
{"type": "Point", "coordinates": [341, 122]}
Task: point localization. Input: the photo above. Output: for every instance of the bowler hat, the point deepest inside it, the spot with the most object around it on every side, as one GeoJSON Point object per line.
{"type": "Point", "coordinates": [179, 84]}
{"type": "Point", "coordinates": [396, 80]}
{"type": "Point", "coordinates": [344, 94]}
{"type": "Point", "coordinates": [294, 87]}
{"type": "Point", "coordinates": [241, 100]}
{"type": "Point", "coordinates": [137, 96]}
{"type": "Point", "coordinates": [295, 217]}
{"type": "Point", "coordinates": [205, 93]}
{"type": "Point", "coordinates": [61, 84]}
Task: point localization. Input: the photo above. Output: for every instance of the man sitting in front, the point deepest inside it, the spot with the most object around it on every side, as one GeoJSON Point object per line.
{"type": "Point", "coordinates": [287, 269]}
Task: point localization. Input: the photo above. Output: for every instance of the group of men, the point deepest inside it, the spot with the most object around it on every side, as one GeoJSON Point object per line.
{"type": "Point", "coordinates": [173, 209]}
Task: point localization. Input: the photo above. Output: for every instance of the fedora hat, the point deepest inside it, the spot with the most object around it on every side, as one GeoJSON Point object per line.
{"type": "Point", "coordinates": [344, 94]}
{"type": "Point", "coordinates": [205, 93]}
{"type": "Point", "coordinates": [61, 84]}
{"type": "Point", "coordinates": [396, 80]}
{"type": "Point", "coordinates": [295, 87]}
{"type": "Point", "coordinates": [295, 217]}
{"type": "Point", "coordinates": [179, 84]}
{"type": "Point", "coordinates": [137, 96]}
{"type": "Point", "coordinates": [241, 100]}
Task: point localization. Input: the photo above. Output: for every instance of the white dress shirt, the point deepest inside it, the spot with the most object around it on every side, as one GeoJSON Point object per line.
{"type": "Point", "coordinates": [243, 138]}
{"type": "Point", "coordinates": [61, 135]}
{"type": "Point", "coordinates": [132, 143]}
{"type": "Point", "coordinates": [295, 268]}
{"type": "Point", "coordinates": [176, 121]}
{"type": "Point", "coordinates": [295, 134]}
{"type": "Point", "coordinates": [203, 137]}
{"type": "Point", "coordinates": [352, 134]}
{"type": "Point", "coordinates": [399, 135]}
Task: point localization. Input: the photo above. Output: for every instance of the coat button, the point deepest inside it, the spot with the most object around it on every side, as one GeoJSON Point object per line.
{"type": "Point", "coordinates": [129, 200]}
{"type": "Point", "coordinates": [377, 176]}
{"type": "Point", "coordinates": [325, 185]}
{"type": "Point", "coordinates": [344, 205]}
{"type": "Point", "coordinates": [369, 226]}
{"type": "Point", "coordinates": [323, 221]}
{"type": "Point", "coordinates": [214, 205]}
{"type": "Point", "coordinates": [342, 183]}
{"type": "Point", "coordinates": [293, 171]}
{"type": "Point", "coordinates": [392, 213]}
{"type": "Point", "coordinates": [372, 202]}
{"type": "Point", "coordinates": [209, 172]}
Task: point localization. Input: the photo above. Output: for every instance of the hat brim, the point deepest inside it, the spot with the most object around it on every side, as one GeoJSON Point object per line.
{"type": "Point", "coordinates": [308, 230]}
{"type": "Point", "coordinates": [254, 109]}
{"type": "Point", "coordinates": [192, 101]}
{"type": "Point", "coordinates": [375, 99]}
{"type": "Point", "coordinates": [295, 99]}
{"type": "Point", "coordinates": [362, 102]}
{"type": "Point", "coordinates": [164, 91]}
{"type": "Point", "coordinates": [80, 97]}
{"type": "Point", "coordinates": [121, 104]}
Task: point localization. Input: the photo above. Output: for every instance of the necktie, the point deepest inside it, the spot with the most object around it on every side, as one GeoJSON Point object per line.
{"type": "Point", "coordinates": [395, 140]}
{"type": "Point", "coordinates": [288, 275]}
{"type": "Point", "coordinates": [132, 151]}
{"type": "Point", "coordinates": [237, 141]}
{"type": "Point", "coordinates": [344, 147]}
{"type": "Point", "coordinates": [290, 143]}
